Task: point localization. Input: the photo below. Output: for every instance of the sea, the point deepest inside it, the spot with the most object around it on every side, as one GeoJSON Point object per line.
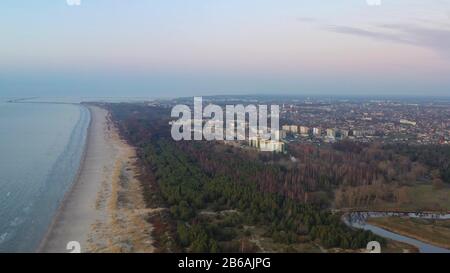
{"type": "Point", "coordinates": [41, 147]}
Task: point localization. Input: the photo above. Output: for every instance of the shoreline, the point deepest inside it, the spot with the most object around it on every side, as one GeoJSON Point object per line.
{"type": "Point", "coordinates": [104, 210]}
{"type": "Point", "coordinates": [76, 178]}
{"type": "Point", "coordinates": [61, 229]}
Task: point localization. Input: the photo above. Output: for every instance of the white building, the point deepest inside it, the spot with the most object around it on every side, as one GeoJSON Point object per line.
{"type": "Point", "coordinates": [290, 128]}
{"type": "Point", "coordinates": [304, 130]}
{"type": "Point", "coordinates": [267, 145]}
{"type": "Point", "coordinates": [286, 128]}
{"type": "Point", "coordinates": [317, 131]}
{"type": "Point", "coordinates": [408, 122]}
{"type": "Point", "coordinates": [331, 133]}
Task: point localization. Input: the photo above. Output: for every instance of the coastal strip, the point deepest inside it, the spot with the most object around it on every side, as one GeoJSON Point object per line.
{"type": "Point", "coordinates": [104, 211]}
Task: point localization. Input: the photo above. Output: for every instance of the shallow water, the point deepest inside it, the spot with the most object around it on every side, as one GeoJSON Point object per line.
{"type": "Point", "coordinates": [358, 220]}
{"type": "Point", "coordinates": [41, 146]}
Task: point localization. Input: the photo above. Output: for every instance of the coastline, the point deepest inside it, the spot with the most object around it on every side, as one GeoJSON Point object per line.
{"type": "Point", "coordinates": [59, 132]}
{"type": "Point", "coordinates": [104, 209]}
{"type": "Point", "coordinates": [46, 236]}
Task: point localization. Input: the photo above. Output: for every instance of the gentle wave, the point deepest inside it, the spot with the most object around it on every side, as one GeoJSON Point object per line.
{"type": "Point", "coordinates": [35, 192]}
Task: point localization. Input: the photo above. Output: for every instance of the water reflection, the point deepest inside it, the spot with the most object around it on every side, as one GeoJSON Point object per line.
{"type": "Point", "coordinates": [359, 220]}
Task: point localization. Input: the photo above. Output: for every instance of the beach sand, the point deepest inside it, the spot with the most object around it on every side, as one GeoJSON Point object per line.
{"type": "Point", "coordinates": [105, 209]}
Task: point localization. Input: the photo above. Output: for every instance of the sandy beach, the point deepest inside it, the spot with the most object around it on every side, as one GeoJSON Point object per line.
{"type": "Point", "coordinates": [105, 210]}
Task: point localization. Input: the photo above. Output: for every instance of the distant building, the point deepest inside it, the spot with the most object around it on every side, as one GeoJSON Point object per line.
{"type": "Point", "coordinates": [331, 133]}
{"type": "Point", "coordinates": [290, 128]}
{"type": "Point", "coordinates": [357, 133]}
{"type": "Point", "coordinates": [267, 145]}
{"type": "Point", "coordinates": [408, 122]}
{"type": "Point", "coordinates": [316, 131]}
{"type": "Point", "coordinates": [344, 133]}
{"type": "Point", "coordinates": [363, 133]}
{"type": "Point", "coordinates": [304, 130]}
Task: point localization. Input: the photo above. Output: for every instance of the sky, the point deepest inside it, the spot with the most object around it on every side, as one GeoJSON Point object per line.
{"type": "Point", "coordinates": [169, 48]}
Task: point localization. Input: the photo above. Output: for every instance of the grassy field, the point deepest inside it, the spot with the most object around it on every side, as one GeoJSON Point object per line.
{"type": "Point", "coordinates": [306, 246]}
{"type": "Point", "coordinates": [436, 232]}
{"type": "Point", "coordinates": [426, 197]}
{"type": "Point", "coordinates": [420, 197]}
{"type": "Point", "coordinates": [399, 247]}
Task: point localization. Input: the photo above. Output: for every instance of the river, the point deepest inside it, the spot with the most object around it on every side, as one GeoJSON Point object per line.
{"type": "Point", "coordinates": [359, 220]}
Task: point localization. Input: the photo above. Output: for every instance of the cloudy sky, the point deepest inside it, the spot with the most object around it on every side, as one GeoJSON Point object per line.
{"type": "Point", "coordinates": [198, 47]}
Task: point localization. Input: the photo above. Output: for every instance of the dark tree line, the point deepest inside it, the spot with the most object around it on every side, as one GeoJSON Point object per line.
{"type": "Point", "coordinates": [435, 156]}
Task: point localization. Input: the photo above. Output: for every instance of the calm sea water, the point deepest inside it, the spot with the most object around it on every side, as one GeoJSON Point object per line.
{"type": "Point", "coordinates": [41, 146]}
